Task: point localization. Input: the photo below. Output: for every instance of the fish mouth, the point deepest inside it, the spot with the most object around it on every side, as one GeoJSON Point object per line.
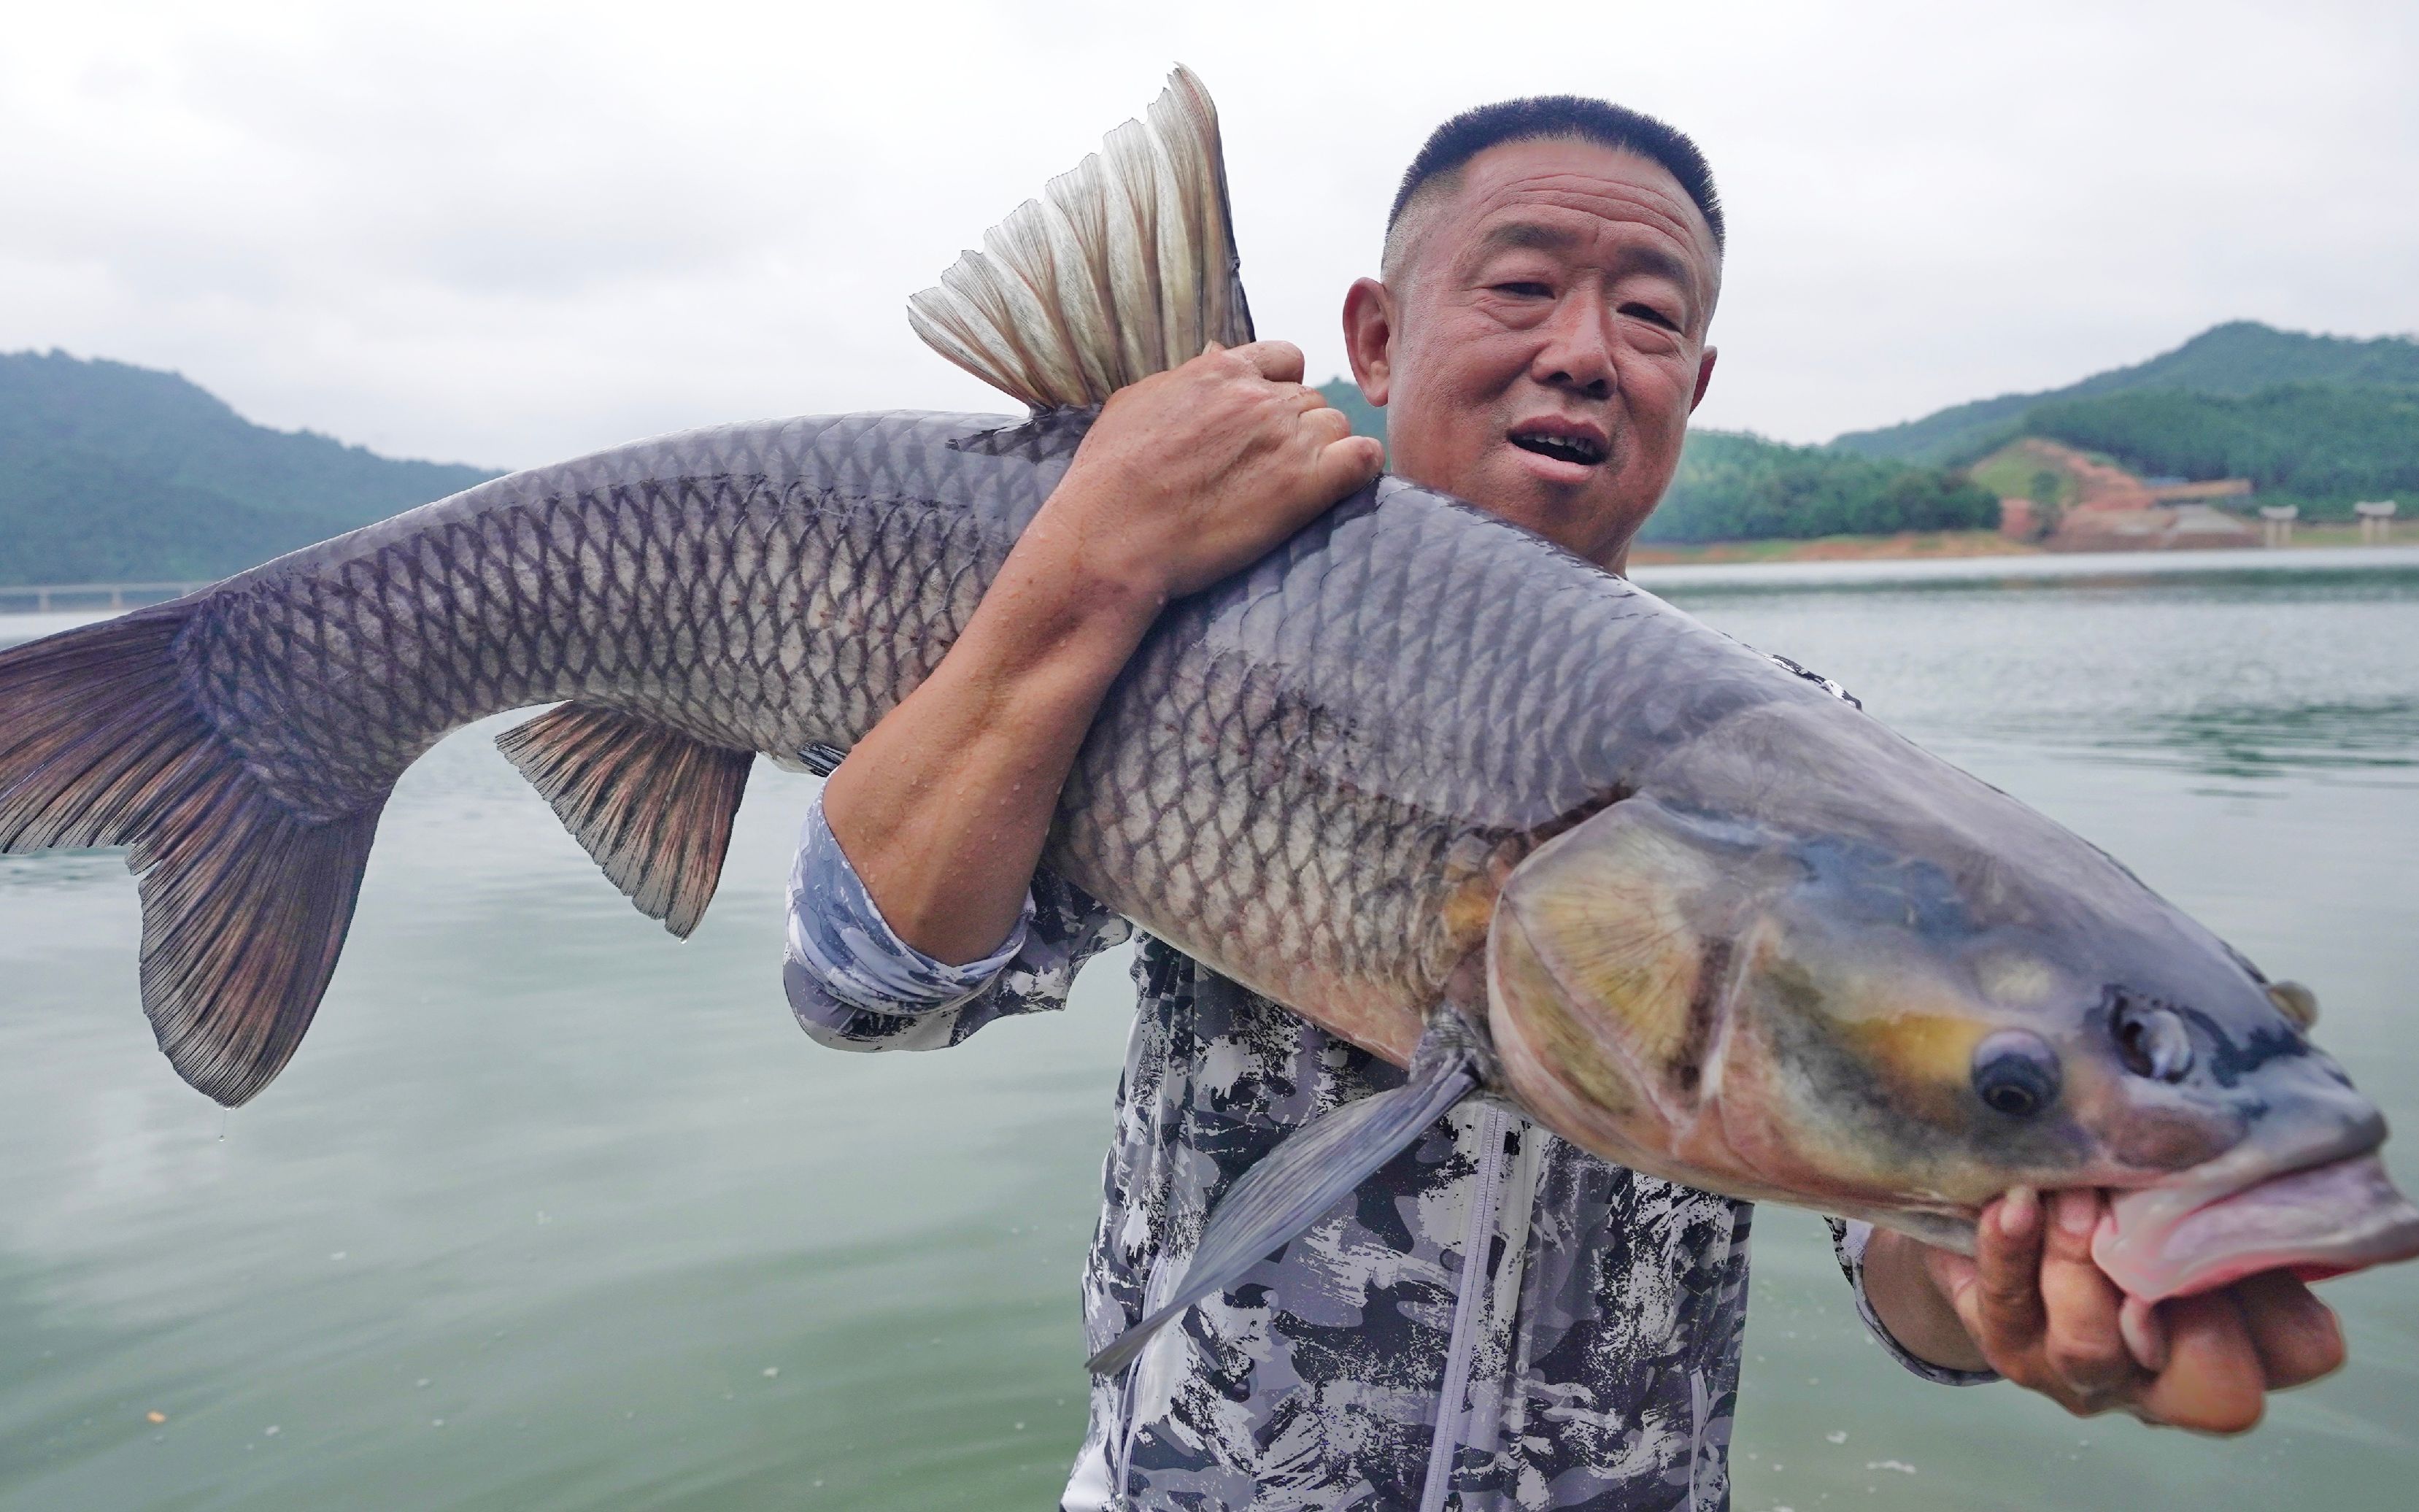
{"type": "Point", "coordinates": [1574, 443]}
{"type": "Point", "coordinates": [2318, 1220]}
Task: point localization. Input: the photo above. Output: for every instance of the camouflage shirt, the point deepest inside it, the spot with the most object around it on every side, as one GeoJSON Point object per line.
{"type": "Point", "coordinates": [1499, 1320]}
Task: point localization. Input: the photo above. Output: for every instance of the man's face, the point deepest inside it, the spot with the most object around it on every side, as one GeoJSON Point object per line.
{"type": "Point", "coordinates": [1540, 347]}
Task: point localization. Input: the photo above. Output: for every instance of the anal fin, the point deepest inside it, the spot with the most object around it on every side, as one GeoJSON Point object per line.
{"type": "Point", "coordinates": [652, 805]}
{"type": "Point", "coordinates": [1310, 1172]}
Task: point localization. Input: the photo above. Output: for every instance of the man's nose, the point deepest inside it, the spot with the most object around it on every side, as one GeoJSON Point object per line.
{"type": "Point", "coordinates": [1578, 350]}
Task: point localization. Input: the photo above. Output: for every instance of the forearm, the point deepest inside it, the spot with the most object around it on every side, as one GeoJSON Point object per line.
{"type": "Point", "coordinates": [943, 808]}
{"type": "Point", "coordinates": [1911, 1304]}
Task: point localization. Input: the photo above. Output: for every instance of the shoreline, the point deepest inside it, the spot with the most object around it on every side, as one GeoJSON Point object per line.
{"type": "Point", "coordinates": [1927, 546]}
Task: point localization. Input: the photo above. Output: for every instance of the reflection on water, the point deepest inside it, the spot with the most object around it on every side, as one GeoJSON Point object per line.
{"type": "Point", "coordinates": [553, 1211]}
{"type": "Point", "coordinates": [2252, 741]}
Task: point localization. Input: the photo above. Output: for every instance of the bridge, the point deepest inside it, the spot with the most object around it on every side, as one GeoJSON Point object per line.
{"type": "Point", "coordinates": [46, 598]}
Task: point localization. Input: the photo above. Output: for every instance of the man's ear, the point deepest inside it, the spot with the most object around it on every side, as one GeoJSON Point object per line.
{"type": "Point", "coordinates": [1704, 378]}
{"type": "Point", "coordinates": [1369, 338]}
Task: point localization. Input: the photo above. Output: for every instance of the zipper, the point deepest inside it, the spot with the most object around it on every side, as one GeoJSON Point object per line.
{"type": "Point", "coordinates": [1486, 1192]}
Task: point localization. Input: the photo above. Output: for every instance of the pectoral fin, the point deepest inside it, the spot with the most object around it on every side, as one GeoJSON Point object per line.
{"type": "Point", "coordinates": [653, 805]}
{"type": "Point", "coordinates": [1315, 1168]}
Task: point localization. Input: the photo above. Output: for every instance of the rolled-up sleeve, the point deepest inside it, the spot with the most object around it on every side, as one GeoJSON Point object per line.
{"type": "Point", "coordinates": [1848, 1240]}
{"type": "Point", "coordinates": [856, 986]}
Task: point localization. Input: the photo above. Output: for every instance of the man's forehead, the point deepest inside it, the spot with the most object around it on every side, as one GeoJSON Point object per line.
{"type": "Point", "coordinates": [1526, 191]}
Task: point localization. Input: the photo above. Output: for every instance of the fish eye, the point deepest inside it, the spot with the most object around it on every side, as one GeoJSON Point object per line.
{"type": "Point", "coordinates": [2153, 1041]}
{"type": "Point", "coordinates": [2016, 1072]}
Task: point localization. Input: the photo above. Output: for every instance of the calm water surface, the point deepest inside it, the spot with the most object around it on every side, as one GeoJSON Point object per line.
{"type": "Point", "coordinates": [552, 1211]}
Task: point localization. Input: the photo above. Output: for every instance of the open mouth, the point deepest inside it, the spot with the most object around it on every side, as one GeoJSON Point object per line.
{"type": "Point", "coordinates": [1561, 444]}
{"type": "Point", "coordinates": [2319, 1221]}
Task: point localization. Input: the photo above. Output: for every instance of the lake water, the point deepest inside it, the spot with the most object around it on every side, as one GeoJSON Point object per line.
{"type": "Point", "coordinates": [552, 1211]}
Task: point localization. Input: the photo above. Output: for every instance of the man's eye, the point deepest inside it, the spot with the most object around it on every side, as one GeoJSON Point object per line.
{"type": "Point", "coordinates": [1651, 314]}
{"type": "Point", "coordinates": [1524, 290]}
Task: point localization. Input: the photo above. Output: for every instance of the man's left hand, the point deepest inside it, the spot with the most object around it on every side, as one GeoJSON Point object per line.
{"type": "Point", "coordinates": [2032, 1305]}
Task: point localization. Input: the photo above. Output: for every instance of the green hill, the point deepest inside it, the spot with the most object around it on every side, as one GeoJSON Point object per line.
{"type": "Point", "coordinates": [2236, 359]}
{"type": "Point", "coordinates": [2317, 445]}
{"type": "Point", "coordinates": [108, 471]}
{"type": "Point", "coordinates": [1734, 486]}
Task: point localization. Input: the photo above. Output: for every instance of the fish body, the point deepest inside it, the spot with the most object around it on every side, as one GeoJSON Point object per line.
{"type": "Point", "coordinates": [1310, 791]}
{"type": "Point", "coordinates": [1439, 786]}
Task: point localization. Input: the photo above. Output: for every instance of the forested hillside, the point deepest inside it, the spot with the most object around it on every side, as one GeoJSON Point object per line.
{"type": "Point", "coordinates": [2236, 360]}
{"type": "Point", "coordinates": [111, 472]}
{"type": "Point", "coordinates": [1733, 486]}
{"type": "Point", "coordinates": [2317, 445]}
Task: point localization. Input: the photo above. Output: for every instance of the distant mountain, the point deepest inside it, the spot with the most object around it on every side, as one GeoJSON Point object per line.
{"type": "Point", "coordinates": [2317, 445]}
{"type": "Point", "coordinates": [2236, 360]}
{"type": "Point", "coordinates": [112, 472]}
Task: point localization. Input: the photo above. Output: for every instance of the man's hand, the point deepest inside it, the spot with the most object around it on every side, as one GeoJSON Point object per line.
{"type": "Point", "coordinates": [2032, 1305]}
{"type": "Point", "coordinates": [1196, 472]}
{"type": "Point", "coordinates": [1186, 477]}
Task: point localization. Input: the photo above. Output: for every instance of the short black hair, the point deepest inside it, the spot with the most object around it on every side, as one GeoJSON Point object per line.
{"type": "Point", "coordinates": [1544, 117]}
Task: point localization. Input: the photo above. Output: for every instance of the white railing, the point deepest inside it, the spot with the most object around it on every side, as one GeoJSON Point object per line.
{"type": "Point", "coordinates": [44, 598]}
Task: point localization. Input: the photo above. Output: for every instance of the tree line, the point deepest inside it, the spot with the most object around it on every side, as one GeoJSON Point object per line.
{"type": "Point", "coordinates": [2321, 446]}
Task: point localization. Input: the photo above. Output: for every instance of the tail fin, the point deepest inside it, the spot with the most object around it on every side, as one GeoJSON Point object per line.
{"type": "Point", "coordinates": [1125, 268]}
{"type": "Point", "coordinates": [244, 906]}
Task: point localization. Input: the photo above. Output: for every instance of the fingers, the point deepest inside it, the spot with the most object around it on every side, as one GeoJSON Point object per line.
{"type": "Point", "coordinates": [2084, 1346]}
{"type": "Point", "coordinates": [1347, 464]}
{"type": "Point", "coordinates": [1324, 422]}
{"type": "Point", "coordinates": [2002, 1309]}
{"type": "Point", "coordinates": [2214, 1381]}
{"type": "Point", "coordinates": [2296, 1336]}
{"type": "Point", "coordinates": [1280, 361]}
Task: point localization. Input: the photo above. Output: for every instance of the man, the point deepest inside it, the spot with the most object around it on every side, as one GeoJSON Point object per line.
{"type": "Point", "coordinates": [1497, 1319]}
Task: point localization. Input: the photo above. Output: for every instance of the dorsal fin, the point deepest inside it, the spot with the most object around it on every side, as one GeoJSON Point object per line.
{"type": "Point", "coordinates": [653, 805]}
{"type": "Point", "coordinates": [1124, 268]}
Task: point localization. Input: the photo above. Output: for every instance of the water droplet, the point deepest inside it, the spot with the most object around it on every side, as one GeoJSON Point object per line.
{"type": "Point", "coordinates": [337, 1256]}
{"type": "Point", "coordinates": [269, 1432]}
{"type": "Point", "coordinates": [155, 1417]}
{"type": "Point", "coordinates": [435, 1422]}
{"type": "Point", "coordinates": [1837, 1436]}
{"type": "Point", "coordinates": [772, 1371]}
{"type": "Point", "coordinates": [421, 1382]}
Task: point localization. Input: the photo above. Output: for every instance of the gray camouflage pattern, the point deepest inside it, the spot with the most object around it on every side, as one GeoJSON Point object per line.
{"type": "Point", "coordinates": [1599, 1357]}
{"type": "Point", "coordinates": [1605, 1344]}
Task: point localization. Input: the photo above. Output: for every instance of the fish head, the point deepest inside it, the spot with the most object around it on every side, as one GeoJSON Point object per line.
{"type": "Point", "coordinates": [1879, 1020]}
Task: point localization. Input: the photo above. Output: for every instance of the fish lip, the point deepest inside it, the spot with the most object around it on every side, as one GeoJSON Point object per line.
{"type": "Point", "coordinates": [2247, 1214]}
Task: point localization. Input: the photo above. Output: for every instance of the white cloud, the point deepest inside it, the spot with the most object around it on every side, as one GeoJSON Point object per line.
{"type": "Point", "coordinates": [510, 233]}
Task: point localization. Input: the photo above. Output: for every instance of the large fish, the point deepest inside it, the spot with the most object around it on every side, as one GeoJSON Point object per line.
{"type": "Point", "coordinates": [1439, 786]}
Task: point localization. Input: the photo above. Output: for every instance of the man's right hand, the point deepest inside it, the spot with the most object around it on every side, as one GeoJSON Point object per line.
{"type": "Point", "coordinates": [1195, 474]}
{"type": "Point", "coordinates": [1187, 477]}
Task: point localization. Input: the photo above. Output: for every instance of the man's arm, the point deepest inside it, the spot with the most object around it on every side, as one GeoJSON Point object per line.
{"type": "Point", "coordinates": [1187, 477]}
{"type": "Point", "coordinates": [2032, 1305]}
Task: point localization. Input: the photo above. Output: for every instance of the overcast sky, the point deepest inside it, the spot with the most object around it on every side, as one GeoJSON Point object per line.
{"type": "Point", "coordinates": [508, 233]}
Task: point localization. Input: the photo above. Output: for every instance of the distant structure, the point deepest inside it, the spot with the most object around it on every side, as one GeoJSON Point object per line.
{"type": "Point", "coordinates": [2177, 491]}
{"type": "Point", "coordinates": [2376, 522]}
{"type": "Point", "coordinates": [43, 598]}
{"type": "Point", "coordinates": [2276, 523]}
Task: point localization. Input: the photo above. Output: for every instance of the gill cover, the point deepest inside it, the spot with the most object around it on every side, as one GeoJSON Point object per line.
{"type": "Point", "coordinates": [1615, 954]}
